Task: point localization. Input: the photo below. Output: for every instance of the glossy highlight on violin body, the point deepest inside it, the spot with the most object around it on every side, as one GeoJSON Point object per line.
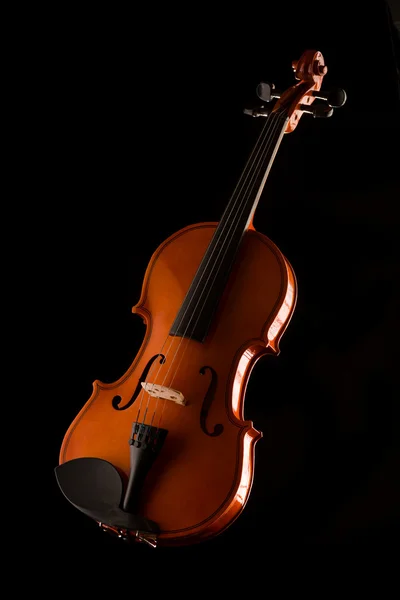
{"type": "Point", "coordinates": [164, 455]}
{"type": "Point", "coordinates": [217, 432]}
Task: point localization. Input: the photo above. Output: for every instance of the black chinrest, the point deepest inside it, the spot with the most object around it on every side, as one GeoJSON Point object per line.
{"type": "Point", "coordinates": [95, 487]}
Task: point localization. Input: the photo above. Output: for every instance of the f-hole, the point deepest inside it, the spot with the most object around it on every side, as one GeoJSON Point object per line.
{"type": "Point", "coordinates": [208, 398]}
{"type": "Point", "coordinates": [117, 399]}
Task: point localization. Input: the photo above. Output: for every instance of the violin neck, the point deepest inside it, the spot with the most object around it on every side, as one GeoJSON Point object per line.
{"type": "Point", "coordinates": [243, 203]}
{"type": "Point", "coordinates": [195, 315]}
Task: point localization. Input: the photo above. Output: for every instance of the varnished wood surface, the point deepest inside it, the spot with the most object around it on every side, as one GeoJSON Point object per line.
{"type": "Point", "coordinates": [199, 483]}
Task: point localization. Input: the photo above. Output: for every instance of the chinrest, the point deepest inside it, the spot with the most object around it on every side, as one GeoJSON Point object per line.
{"type": "Point", "coordinates": [95, 487]}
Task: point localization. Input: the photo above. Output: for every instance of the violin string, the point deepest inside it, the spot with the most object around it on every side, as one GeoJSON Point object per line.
{"type": "Point", "coordinates": [270, 125]}
{"type": "Point", "coordinates": [207, 285]}
{"type": "Point", "coordinates": [262, 150]}
{"type": "Point", "coordinates": [260, 141]}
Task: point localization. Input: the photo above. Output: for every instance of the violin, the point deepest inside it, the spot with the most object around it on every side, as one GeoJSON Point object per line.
{"type": "Point", "coordinates": [164, 456]}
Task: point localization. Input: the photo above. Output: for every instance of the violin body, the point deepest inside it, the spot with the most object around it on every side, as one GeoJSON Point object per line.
{"type": "Point", "coordinates": [201, 480]}
{"type": "Point", "coordinates": [164, 455]}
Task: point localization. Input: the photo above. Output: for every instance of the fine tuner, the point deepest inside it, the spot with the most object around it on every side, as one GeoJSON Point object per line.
{"type": "Point", "coordinates": [267, 92]}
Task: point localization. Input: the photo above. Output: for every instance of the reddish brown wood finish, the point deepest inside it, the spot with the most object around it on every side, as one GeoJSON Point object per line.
{"type": "Point", "coordinates": [310, 69]}
{"type": "Point", "coordinates": [199, 484]}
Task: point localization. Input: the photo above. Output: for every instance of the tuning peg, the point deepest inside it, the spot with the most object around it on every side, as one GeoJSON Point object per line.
{"type": "Point", "coordinates": [260, 111]}
{"type": "Point", "coordinates": [335, 98]}
{"type": "Point", "coordinates": [318, 111]}
{"type": "Point", "coordinates": [266, 91]}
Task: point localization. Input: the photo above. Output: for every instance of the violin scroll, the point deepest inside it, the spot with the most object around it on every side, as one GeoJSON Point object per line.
{"type": "Point", "coordinates": [310, 70]}
{"type": "Point", "coordinates": [310, 67]}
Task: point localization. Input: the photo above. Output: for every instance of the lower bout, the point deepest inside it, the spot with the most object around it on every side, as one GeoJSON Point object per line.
{"type": "Point", "coordinates": [225, 512]}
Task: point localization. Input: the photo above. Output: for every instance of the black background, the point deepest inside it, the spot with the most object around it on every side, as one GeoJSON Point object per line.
{"type": "Point", "coordinates": [145, 135]}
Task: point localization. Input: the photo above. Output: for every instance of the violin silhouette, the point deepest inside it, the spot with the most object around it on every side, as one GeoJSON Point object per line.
{"type": "Point", "coordinates": [164, 456]}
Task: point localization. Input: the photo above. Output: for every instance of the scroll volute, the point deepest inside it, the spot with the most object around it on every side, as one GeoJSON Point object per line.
{"type": "Point", "coordinates": [310, 70]}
